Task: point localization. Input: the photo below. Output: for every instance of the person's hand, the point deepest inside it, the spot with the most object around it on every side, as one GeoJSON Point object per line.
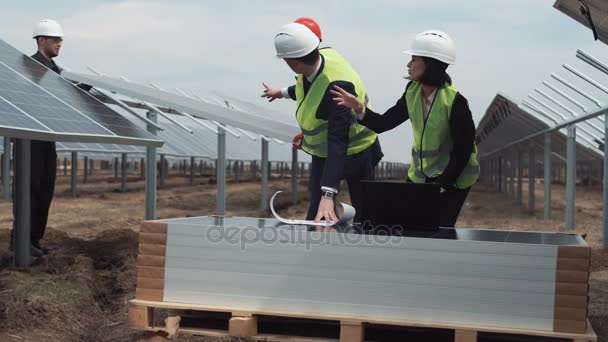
{"type": "Point", "coordinates": [297, 140]}
{"type": "Point", "coordinates": [271, 93]}
{"type": "Point", "coordinates": [344, 98]}
{"type": "Point", "coordinates": [326, 210]}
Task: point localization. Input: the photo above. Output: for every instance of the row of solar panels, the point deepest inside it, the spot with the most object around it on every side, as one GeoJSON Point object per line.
{"type": "Point", "coordinates": [36, 103]}
{"type": "Point", "coordinates": [580, 87]}
{"type": "Point", "coordinates": [201, 143]}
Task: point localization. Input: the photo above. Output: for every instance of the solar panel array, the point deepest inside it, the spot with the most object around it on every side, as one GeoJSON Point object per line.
{"type": "Point", "coordinates": [248, 120]}
{"type": "Point", "coordinates": [575, 89]}
{"type": "Point", "coordinates": [36, 103]}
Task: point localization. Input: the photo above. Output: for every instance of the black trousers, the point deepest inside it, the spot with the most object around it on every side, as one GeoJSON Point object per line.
{"type": "Point", "coordinates": [357, 167]}
{"type": "Point", "coordinates": [42, 186]}
{"type": "Point", "coordinates": [451, 202]}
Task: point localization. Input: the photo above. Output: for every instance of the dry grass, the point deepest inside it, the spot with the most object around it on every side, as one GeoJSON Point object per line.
{"type": "Point", "coordinates": [79, 292]}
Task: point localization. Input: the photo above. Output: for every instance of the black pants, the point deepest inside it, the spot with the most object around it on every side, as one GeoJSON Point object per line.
{"type": "Point", "coordinates": [451, 202]}
{"type": "Point", "coordinates": [357, 167]}
{"type": "Point", "coordinates": [42, 186]}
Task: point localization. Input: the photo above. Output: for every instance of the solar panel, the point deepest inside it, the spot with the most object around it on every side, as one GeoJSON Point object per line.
{"type": "Point", "coordinates": [36, 103]}
{"type": "Point", "coordinates": [257, 123]}
{"type": "Point", "coordinates": [599, 14]}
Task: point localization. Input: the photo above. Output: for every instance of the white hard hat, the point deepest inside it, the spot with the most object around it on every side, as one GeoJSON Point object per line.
{"type": "Point", "coordinates": [434, 44]}
{"type": "Point", "coordinates": [294, 41]}
{"type": "Point", "coordinates": [48, 28]}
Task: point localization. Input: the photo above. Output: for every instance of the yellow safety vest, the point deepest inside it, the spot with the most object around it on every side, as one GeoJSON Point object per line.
{"type": "Point", "coordinates": [314, 130]}
{"type": "Point", "coordinates": [432, 139]}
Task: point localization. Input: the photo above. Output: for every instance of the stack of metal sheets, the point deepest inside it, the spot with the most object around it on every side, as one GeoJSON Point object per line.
{"type": "Point", "coordinates": [527, 280]}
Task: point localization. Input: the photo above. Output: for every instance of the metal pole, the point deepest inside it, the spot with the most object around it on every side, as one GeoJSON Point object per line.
{"type": "Point", "coordinates": [495, 173]}
{"type": "Point", "coordinates": [65, 166]}
{"type": "Point", "coordinates": [86, 169]}
{"type": "Point", "coordinates": [242, 168]}
{"type": "Point", "coordinates": [162, 171]}
{"type": "Point", "coordinates": [500, 173]}
{"type": "Point", "coordinates": [570, 176]}
{"type": "Point", "coordinates": [221, 172]}
{"type": "Point", "coordinates": [599, 169]}
{"type": "Point", "coordinates": [531, 179]}
{"type": "Point", "coordinates": [264, 167]}
{"type": "Point", "coordinates": [142, 168]}
{"type": "Point", "coordinates": [520, 176]}
{"type": "Point", "coordinates": [74, 176]}
{"type": "Point", "coordinates": [191, 170]}
{"type": "Point", "coordinates": [512, 175]}
{"type": "Point", "coordinates": [91, 166]}
{"type": "Point", "coordinates": [505, 178]}
{"type": "Point", "coordinates": [23, 257]}
{"type": "Point", "coordinates": [547, 178]}
{"type": "Point", "coordinates": [150, 185]}
{"type": "Point", "coordinates": [505, 174]}
{"type": "Point", "coordinates": [605, 176]}
{"type": "Point", "coordinates": [235, 171]}
{"type": "Point", "coordinates": [6, 169]}
{"type": "Point", "coordinates": [294, 175]}
{"type": "Point", "coordinates": [115, 168]}
{"type": "Point", "coordinates": [123, 170]}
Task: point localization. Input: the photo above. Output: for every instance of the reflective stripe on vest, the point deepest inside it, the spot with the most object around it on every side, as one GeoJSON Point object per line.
{"type": "Point", "coordinates": [314, 130]}
{"type": "Point", "coordinates": [432, 139]}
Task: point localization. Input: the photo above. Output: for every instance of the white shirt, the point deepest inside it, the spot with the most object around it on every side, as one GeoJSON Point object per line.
{"type": "Point", "coordinates": [310, 78]}
{"type": "Point", "coordinates": [427, 102]}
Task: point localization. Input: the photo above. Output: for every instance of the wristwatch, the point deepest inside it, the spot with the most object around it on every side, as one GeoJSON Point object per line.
{"type": "Point", "coordinates": [328, 194]}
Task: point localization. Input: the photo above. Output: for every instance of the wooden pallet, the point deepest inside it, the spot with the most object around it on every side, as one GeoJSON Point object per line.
{"type": "Point", "coordinates": [245, 324]}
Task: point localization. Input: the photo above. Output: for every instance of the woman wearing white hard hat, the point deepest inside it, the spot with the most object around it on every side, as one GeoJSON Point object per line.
{"type": "Point", "coordinates": [443, 150]}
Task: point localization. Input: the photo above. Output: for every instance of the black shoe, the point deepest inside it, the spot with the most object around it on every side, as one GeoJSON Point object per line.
{"type": "Point", "coordinates": [36, 252]}
{"type": "Point", "coordinates": [36, 244]}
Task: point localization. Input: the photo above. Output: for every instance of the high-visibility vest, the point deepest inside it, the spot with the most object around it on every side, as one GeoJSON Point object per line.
{"type": "Point", "coordinates": [432, 139]}
{"type": "Point", "coordinates": [314, 140]}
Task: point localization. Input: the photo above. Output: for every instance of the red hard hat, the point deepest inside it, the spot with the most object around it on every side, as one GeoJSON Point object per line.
{"type": "Point", "coordinates": [311, 24]}
{"type": "Point", "coordinates": [297, 140]}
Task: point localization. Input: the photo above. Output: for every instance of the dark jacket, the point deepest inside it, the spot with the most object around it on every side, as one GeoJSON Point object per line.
{"type": "Point", "coordinates": [462, 130]}
{"type": "Point", "coordinates": [339, 120]}
{"type": "Point", "coordinates": [49, 63]}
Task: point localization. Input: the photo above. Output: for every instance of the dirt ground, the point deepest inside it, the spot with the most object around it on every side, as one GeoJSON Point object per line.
{"type": "Point", "coordinates": [80, 291]}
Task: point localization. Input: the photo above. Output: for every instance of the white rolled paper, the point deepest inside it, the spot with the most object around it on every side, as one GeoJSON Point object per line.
{"type": "Point", "coordinates": [347, 215]}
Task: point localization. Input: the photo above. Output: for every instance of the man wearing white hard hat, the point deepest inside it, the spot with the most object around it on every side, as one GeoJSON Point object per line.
{"type": "Point", "coordinates": [340, 147]}
{"type": "Point", "coordinates": [49, 38]}
{"type": "Point", "coordinates": [444, 148]}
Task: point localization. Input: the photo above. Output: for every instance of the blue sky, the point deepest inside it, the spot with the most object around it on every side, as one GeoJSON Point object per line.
{"type": "Point", "coordinates": [198, 46]}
